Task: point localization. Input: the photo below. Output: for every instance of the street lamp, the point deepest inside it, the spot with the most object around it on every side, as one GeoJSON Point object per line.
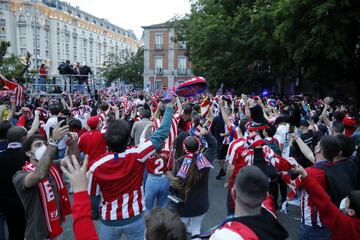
{"type": "Point", "coordinates": [41, 21]}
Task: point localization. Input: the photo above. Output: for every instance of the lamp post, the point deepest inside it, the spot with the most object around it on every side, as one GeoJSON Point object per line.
{"type": "Point", "coordinates": [37, 20]}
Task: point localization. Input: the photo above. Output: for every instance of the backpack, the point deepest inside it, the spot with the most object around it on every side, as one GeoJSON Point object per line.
{"type": "Point", "coordinates": [62, 68]}
{"type": "Point", "coordinates": [339, 183]}
{"type": "Point", "coordinates": [273, 145]}
{"type": "Point", "coordinates": [259, 161]}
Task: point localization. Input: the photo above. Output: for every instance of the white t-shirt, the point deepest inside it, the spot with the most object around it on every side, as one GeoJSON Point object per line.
{"type": "Point", "coordinates": [283, 136]}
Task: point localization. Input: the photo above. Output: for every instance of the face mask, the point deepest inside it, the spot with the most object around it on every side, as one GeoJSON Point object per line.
{"type": "Point", "coordinates": [40, 152]}
{"type": "Point", "coordinates": [342, 206]}
{"type": "Point", "coordinates": [317, 149]}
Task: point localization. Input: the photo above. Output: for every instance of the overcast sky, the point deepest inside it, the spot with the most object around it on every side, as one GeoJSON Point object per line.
{"type": "Point", "coordinates": [132, 14]}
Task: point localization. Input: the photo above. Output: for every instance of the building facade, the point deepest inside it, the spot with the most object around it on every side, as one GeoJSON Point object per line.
{"type": "Point", "coordinates": [165, 63]}
{"type": "Point", "coordinates": [53, 32]}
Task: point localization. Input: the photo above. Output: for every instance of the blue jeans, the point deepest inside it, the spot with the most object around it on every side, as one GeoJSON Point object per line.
{"type": "Point", "coordinates": [95, 202]}
{"type": "Point", "coordinates": [156, 188]}
{"type": "Point", "coordinates": [133, 231]}
{"type": "Point", "coordinates": [42, 84]}
{"type": "Point", "coordinates": [2, 226]}
{"type": "Point", "coordinates": [313, 233]}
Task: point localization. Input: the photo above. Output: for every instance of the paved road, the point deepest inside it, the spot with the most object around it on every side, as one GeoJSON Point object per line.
{"type": "Point", "coordinates": [217, 211]}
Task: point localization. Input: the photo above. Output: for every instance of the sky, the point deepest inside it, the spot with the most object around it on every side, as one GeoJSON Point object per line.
{"type": "Point", "coordinates": [132, 14]}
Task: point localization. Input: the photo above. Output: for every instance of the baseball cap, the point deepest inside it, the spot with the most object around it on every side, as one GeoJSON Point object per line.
{"type": "Point", "coordinates": [92, 122]}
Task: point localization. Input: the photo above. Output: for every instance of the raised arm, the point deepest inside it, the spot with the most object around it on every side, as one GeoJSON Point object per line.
{"type": "Point", "coordinates": [324, 116]}
{"type": "Point", "coordinates": [227, 121]}
{"type": "Point", "coordinates": [304, 148]}
{"type": "Point", "coordinates": [83, 225]}
{"type": "Point", "coordinates": [330, 215]}
{"type": "Point", "coordinates": [247, 108]}
{"type": "Point", "coordinates": [43, 166]}
{"type": "Point", "coordinates": [210, 152]}
{"type": "Point", "coordinates": [35, 124]}
{"type": "Point", "coordinates": [13, 110]}
{"type": "Point", "coordinates": [163, 131]}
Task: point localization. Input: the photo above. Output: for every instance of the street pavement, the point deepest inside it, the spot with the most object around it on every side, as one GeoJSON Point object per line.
{"type": "Point", "coordinates": [217, 211]}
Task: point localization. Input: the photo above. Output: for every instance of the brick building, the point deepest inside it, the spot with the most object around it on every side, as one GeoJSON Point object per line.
{"type": "Point", "coordinates": [165, 63]}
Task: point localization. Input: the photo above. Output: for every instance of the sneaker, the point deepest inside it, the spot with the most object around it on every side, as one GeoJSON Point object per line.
{"type": "Point", "coordinates": [221, 174]}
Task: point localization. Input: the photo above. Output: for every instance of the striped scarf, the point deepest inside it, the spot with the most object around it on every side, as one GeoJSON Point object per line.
{"type": "Point", "coordinates": [201, 160]}
{"type": "Point", "coordinates": [51, 213]}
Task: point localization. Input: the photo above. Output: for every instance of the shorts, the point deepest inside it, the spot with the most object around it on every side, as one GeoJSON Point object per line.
{"type": "Point", "coordinates": [223, 151]}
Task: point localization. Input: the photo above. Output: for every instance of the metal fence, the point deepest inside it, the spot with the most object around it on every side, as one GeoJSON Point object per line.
{"type": "Point", "coordinates": [56, 84]}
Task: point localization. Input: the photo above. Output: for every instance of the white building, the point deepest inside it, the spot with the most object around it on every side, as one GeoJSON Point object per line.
{"type": "Point", "coordinates": [63, 32]}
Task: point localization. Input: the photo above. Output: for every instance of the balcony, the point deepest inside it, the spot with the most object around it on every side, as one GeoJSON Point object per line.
{"type": "Point", "coordinates": [159, 71]}
{"type": "Point", "coordinates": [181, 71]}
{"type": "Point", "coordinates": [158, 46]}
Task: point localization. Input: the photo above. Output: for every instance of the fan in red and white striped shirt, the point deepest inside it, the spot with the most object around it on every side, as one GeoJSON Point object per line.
{"type": "Point", "coordinates": [122, 189]}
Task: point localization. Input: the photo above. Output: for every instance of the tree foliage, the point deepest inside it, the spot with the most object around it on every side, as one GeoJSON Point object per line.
{"type": "Point", "coordinates": [12, 67]}
{"type": "Point", "coordinates": [254, 44]}
{"type": "Point", "coordinates": [130, 70]}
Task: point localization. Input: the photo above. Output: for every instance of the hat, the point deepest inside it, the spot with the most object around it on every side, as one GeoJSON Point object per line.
{"type": "Point", "coordinates": [92, 122]}
{"type": "Point", "coordinates": [282, 118]}
{"type": "Point", "coordinates": [257, 126]}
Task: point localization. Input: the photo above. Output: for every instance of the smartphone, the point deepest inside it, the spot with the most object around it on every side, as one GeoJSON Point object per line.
{"type": "Point", "coordinates": [51, 131]}
{"type": "Point", "coordinates": [64, 119]}
{"type": "Point", "coordinates": [292, 128]}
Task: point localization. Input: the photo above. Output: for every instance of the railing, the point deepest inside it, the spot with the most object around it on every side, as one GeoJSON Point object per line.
{"type": "Point", "coordinates": [60, 83]}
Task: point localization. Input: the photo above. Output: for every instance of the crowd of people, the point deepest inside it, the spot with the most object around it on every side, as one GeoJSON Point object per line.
{"type": "Point", "coordinates": [139, 164]}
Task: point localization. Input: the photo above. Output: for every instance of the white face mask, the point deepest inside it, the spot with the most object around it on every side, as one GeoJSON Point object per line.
{"type": "Point", "coordinates": [342, 206]}
{"type": "Point", "coordinates": [40, 152]}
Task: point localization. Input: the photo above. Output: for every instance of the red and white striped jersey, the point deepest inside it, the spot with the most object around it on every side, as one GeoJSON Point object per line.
{"type": "Point", "coordinates": [240, 154]}
{"type": "Point", "coordinates": [158, 163]}
{"type": "Point", "coordinates": [309, 213]}
{"type": "Point", "coordinates": [119, 178]}
{"type": "Point", "coordinates": [228, 139]}
{"type": "Point", "coordinates": [173, 130]}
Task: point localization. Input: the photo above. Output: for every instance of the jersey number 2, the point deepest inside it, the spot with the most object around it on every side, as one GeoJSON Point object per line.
{"type": "Point", "coordinates": [159, 163]}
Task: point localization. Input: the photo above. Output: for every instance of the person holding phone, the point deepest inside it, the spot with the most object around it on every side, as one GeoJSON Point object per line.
{"type": "Point", "coordinates": [51, 123]}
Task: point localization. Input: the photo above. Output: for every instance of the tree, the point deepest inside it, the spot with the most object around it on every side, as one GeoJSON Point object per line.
{"type": "Point", "coordinates": [129, 70]}
{"type": "Point", "coordinates": [4, 45]}
{"type": "Point", "coordinates": [12, 67]}
{"type": "Point", "coordinates": [256, 44]}
{"type": "Point", "coordinates": [322, 37]}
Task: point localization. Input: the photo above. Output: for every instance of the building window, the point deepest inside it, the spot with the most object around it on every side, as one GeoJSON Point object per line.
{"type": "Point", "coordinates": [47, 54]}
{"type": "Point", "coordinates": [22, 31]}
{"type": "Point", "coordinates": [158, 85]}
{"type": "Point", "coordinates": [159, 64]}
{"type": "Point", "coordinates": [2, 18]}
{"type": "Point", "coordinates": [47, 34]}
{"type": "Point", "coordinates": [158, 41]}
{"type": "Point", "coordinates": [36, 52]}
{"type": "Point", "coordinates": [22, 42]}
{"type": "Point", "coordinates": [23, 51]}
{"type": "Point", "coordinates": [181, 68]}
{"type": "Point", "coordinates": [36, 42]}
{"type": "Point", "coordinates": [182, 45]}
{"type": "Point", "coordinates": [22, 19]}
